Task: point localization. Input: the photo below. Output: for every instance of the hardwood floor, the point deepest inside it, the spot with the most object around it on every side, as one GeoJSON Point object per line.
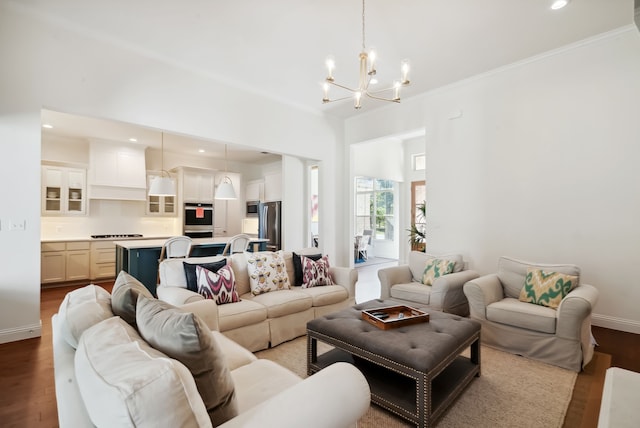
{"type": "Point", "coordinates": [28, 393]}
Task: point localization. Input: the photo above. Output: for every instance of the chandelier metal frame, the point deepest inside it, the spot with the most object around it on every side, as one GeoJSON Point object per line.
{"type": "Point", "coordinates": [366, 77]}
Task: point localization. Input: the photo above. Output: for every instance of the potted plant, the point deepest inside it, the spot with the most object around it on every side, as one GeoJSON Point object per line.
{"type": "Point", "coordinates": [417, 231]}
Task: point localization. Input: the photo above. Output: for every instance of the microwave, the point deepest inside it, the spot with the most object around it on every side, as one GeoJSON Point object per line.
{"type": "Point", "coordinates": [253, 208]}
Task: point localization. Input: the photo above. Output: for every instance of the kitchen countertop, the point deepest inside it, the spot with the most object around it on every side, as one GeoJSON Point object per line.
{"type": "Point", "coordinates": [90, 239]}
{"type": "Point", "coordinates": [156, 243]}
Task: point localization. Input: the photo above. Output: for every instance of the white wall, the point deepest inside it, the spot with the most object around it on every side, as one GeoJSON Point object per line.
{"type": "Point", "coordinates": [45, 66]}
{"type": "Point", "coordinates": [542, 165]}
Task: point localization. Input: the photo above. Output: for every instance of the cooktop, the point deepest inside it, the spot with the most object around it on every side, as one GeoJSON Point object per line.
{"type": "Point", "coordinates": [126, 235]}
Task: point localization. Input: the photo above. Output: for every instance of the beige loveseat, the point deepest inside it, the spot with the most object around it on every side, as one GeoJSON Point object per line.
{"type": "Point", "coordinates": [403, 284]}
{"type": "Point", "coordinates": [107, 375]}
{"type": "Point", "coordinates": [561, 336]}
{"type": "Point", "coordinates": [257, 322]}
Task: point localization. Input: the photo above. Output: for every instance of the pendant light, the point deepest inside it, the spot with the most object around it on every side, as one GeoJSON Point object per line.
{"type": "Point", "coordinates": [225, 188]}
{"type": "Point", "coordinates": [162, 186]}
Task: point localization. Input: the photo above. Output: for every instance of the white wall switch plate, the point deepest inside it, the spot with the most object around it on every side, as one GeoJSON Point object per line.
{"type": "Point", "coordinates": [19, 225]}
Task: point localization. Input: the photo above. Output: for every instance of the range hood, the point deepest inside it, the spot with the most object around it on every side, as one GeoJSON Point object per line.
{"type": "Point", "coordinates": [117, 171]}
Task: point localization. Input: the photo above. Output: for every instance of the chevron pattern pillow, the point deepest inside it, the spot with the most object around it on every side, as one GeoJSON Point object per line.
{"type": "Point", "coordinates": [436, 268]}
{"type": "Point", "coordinates": [546, 288]}
{"type": "Point", "coordinates": [219, 286]}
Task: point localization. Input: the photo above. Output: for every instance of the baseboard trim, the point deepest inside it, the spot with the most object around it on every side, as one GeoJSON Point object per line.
{"type": "Point", "coordinates": [21, 333]}
{"type": "Point", "coordinates": [614, 323]}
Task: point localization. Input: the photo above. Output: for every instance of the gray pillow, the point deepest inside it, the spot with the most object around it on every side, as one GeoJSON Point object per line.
{"type": "Point", "coordinates": [124, 296]}
{"type": "Point", "coordinates": [185, 337]}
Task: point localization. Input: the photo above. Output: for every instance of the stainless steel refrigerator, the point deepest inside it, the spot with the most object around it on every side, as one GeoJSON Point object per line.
{"type": "Point", "coordinates": [270, 225]}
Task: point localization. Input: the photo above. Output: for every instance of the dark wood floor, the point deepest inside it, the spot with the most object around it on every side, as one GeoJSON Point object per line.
{"type": "Point", "coordinates": [27, 397]}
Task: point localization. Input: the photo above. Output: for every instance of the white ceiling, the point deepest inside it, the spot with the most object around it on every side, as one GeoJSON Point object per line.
{"type": "Point", "coordinates": [80, 129]}
{"type": "Point", "coordinates": [278, 47]}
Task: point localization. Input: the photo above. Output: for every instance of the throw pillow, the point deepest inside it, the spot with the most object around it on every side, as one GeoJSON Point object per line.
{"type": "Point", "coordinates": [436, 268]}
{"type": "Point", "coordinates": [81, 309]}
{"type": "Point", "coordinates": [297, 266]}
{"type": "Point", "coordinates": [124, 382]}
{"type": "Point", "coordinates": [190, 272]}
{"type": "Point", "coordinates": [546, 288]}
{"type": "Point", "coordinates": [185, 337]}
{"type": "Point", "coordinates": [315, 272]}
{"type": "Point", "coordinates": [219, 286]}
{"type": "Point", "coordinates": [267, 272]}
{"type": "Point", "coordinates": [124, 296]}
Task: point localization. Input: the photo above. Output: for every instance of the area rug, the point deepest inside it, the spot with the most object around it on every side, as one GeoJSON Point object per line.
{"type": "Point", "coordinates": [512, 391]}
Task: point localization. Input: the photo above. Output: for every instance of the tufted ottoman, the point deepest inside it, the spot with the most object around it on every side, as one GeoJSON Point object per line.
{"type": "Point", "coordinates": [414, 371]}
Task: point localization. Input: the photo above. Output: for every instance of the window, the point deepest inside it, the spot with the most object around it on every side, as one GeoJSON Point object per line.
{"type": "Point", "coordinates": [375, 207]}
{"type": "Point", "coordinates": [418, 223]}
{"type": "Point", "coordinates": [419, 162]}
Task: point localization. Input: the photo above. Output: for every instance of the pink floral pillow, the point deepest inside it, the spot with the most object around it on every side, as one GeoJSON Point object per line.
{"type": "Point", "coordinates": [219, 286]}
{"type": "Point", "coordinates": [315, 273]}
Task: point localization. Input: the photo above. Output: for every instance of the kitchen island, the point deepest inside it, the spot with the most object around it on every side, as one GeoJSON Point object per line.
{"type": "Point", "coordinates": [140, 257]}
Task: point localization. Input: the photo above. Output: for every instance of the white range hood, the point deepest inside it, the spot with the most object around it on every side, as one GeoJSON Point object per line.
{"type": "Point", "coordinates": [117, 171]}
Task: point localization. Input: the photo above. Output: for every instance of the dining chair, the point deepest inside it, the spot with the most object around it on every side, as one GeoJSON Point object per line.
{"type": "Point", "coordinates": [173, 248]}
{"type": "Point", "coordinates": [236, 244]}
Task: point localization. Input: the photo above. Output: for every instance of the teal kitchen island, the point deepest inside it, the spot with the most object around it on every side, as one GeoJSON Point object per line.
{"type": "Point", "coordinates": [139, 258]}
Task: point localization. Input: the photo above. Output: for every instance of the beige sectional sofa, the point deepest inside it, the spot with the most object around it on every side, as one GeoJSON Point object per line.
{"type": "Point", "coordinates": [107, 374]}
{"type": "Point", "coordinates": [257, 322]}
{"type": "Point", "coordinates": [403, 284]}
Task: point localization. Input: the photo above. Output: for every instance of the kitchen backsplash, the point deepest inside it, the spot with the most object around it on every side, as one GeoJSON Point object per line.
{"type": "Point", "coordinates": [109, 217]}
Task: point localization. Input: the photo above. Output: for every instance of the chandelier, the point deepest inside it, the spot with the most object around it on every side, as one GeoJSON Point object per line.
{"type": "Point", "coordinates": [366, 78]}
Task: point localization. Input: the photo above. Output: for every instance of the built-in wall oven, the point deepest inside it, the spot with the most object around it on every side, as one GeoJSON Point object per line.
{"type": "Point", "coordinates": [198, 220]}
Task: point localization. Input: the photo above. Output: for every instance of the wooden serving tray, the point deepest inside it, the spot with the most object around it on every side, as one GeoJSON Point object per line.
{"type": "Point", "coordinates": [394, 319]}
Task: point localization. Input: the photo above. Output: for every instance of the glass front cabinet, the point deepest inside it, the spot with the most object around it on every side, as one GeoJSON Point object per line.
{"type": "Point", "coordinates": [64, 191]}
{"type": "Point", "coordinates": [160, 205]}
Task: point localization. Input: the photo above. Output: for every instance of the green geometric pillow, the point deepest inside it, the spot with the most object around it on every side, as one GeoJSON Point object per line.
{"type": "Point", "coordinates": [546, 288]}
{"type": "Point", "coordinates": [436, 268]}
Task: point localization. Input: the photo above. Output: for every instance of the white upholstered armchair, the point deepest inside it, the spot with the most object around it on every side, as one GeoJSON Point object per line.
{"type": "Point", "coordinates": [560, 336]}
{"type": "Point", "coordinates": [404, 284]}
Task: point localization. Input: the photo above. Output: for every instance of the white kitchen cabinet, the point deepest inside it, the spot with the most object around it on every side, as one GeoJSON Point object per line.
{"type": "Point", "coordinates": [103, 260]}
{"type": "Point", "coordinates": [63, 191]}
{"type": "Point", "coordinates": [254, 190]}
{"type": "Point", "coordinates": [53, 263]}
{"type": "Point", "coordinates": [160, 205]}
{"type": "Point", "coordinates": [64, 261]}
{"type": "Point", "coordinates": [228, 213]}
{"type": "Point", "coordinates": [198, 185]}
{"type": "Point", "coordinates": [272, 187]}
{"type": "Point", "coordinates": [77, 261]}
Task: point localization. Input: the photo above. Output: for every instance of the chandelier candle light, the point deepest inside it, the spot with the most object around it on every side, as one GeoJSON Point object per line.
{"type": "Point", "coordinates": [366, 78]}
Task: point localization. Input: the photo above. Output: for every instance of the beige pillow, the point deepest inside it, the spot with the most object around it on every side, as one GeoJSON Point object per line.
{"type": "Point", "coordinates": [124, 382]}
{"type": "Point", "coordinates": [124, 296]}
{"type": "Point", "coordinates": [267, 272]}
{"type": "Point", "coordinates": [81, 309]}
{"type": "Point", "coordinates": [546, 288]}
{"type": "Point", "coordinates": [183, 336]}
{"type": "Point", "coordinates": [435, 268]}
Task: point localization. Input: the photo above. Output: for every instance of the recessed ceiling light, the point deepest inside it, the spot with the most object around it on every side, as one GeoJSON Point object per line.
{"type": "Point", "coordinates": [200, 150]}
{"type": "Point", "coordinates": [133, 140]}
{"type": "Point", "coordinates": [46, 125]}
{"type": "Point", "coordinates": [559, 4]}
